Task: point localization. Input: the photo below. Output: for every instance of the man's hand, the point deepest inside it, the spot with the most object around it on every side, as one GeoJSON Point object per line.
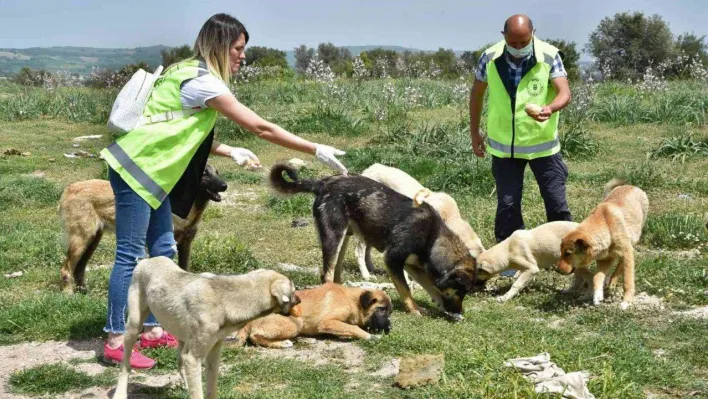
{"type": "Point", "coordinates": [478, 146]}
{"type": "Point", "coordinates": [544, 114]}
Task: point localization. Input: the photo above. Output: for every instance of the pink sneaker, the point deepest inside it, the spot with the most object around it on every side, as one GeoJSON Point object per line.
{"type": "Point", "coordinates": [137, 359]}
{"type": "Point", "coordinates": [166, 339]}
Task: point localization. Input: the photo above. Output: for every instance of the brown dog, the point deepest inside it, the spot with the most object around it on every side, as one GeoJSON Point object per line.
{"type": "Point", "coordinates": [87, 209]}
{"type": "Point", "coordinates": [328, 309]}
{"type": "Point", "coordinates": [608, 236]}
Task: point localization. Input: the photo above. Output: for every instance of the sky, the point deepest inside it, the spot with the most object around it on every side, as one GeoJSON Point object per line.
{"type": "Point", "coordinates": [426, 25]}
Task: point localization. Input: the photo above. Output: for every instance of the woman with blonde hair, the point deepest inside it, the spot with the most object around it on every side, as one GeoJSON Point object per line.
{"type": "Point", "coordinates": [154, 169]}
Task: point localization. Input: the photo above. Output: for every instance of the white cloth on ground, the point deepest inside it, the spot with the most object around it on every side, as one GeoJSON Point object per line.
{"type": "Point", "coordinates": [549, 378]}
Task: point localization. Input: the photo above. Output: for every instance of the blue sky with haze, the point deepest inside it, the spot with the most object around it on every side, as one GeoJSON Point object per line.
{"type": "Point", "coordinates": [456, 24]}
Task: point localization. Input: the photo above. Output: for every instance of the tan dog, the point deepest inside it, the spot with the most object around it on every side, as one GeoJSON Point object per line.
{"type": "Point", "coordinates": [608, 235]}
{"type": "Point", "coordinates": [528, 251]}
{"type": "Point", "coordinates": [444, 205]}
{"type": "Point", "coordinates": [328, 309]}
{"type": "Point", "coordinates": [200, 311]}
{"type": "Point", "coordinates": [87, 210]}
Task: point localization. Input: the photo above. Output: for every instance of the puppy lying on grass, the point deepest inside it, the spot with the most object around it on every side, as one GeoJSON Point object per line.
{"type": "Point", "coordinates": [331, 309]}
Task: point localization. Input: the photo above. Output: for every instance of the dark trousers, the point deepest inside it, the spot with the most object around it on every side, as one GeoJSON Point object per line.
{"type": "Point", "coordinates": [551, 174]}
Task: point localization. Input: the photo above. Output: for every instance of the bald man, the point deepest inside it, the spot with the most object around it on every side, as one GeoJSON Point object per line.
{"type": "Point", "coordinates": [521, 70]}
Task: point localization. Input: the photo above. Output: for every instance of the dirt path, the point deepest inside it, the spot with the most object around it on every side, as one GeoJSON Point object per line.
{"type": "Point", "coordinates": [26, 355]}
{"type": "Point", "coordinates": [83, 356]}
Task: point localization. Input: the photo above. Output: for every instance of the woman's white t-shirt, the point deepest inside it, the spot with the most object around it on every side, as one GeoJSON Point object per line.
{"type": "Point", "coordinates": [196, 92]}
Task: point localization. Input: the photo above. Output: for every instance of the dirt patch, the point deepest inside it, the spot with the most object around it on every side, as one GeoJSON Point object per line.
{"type": "Point", "coordinates": [319, 352]}
{"type": "Point", "coordinates": [682, 254]}
{"type": "Point", "coordinates": [646, 301]}
{"type": "Point", "coordinates": [27, 355]}
{"type": "Point", "coordinates": [388, 369]}
{"type": "Point", "coordinates": [700, 313]}
{"type": "Point", "coordinates": [239, 199]}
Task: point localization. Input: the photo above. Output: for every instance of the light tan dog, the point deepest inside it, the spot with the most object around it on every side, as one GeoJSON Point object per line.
{"type": "Point", "coordinates": [444, 205]}
{"type": "Point", "coordinates": [608, 236]}
{"type": "Point", "coordinates": [87, 210]}
{"type": "Point", "coordinates": [328, 309]}
{"type": "Point", "coordinates": [200, 311]}
{"type": "Point", "coordinates": [528, 251]}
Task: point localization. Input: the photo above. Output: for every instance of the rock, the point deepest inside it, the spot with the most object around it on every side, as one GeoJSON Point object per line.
{"type": "Point", "coordinates": [289, 267]}
{"type": "Point", "coordinates": [419, 370]}
{"type": "Point", "coordinates": [296, 163]}
{"type": "Point", "coordinates": [79, 154]}
{"type": "Point", "coordinates": [370, 285]}
{"type": "Point", "coordinates": [14, 275]}
{"type": "Point", "coordinates": [300, 222]}
{"type": "Point", "coordinates": [82, 138]}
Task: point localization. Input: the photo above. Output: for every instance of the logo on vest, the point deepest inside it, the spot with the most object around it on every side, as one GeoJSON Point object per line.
{"type": "Point", "coordinates": [535, 86]}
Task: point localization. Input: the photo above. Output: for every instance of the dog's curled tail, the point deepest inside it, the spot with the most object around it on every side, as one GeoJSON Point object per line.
{"type": "Point", "coordinates": [611, 185]}
{"type": "Point", "coordinates": [420, 197]}
{"type": "Point", "coordinates": [291, 187]}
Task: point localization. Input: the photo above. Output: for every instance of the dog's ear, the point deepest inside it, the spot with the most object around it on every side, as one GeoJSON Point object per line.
{"type": "Point", "coordinates": [280, 290]}
{"type": "Point", "coordinates": [581, 246]}
{"type": "Point", "coordinates": [367, 299]}
{"type": "Point", "coordinates": [420, 196]}
{"type": "Point", "coordinates": [458, 279]}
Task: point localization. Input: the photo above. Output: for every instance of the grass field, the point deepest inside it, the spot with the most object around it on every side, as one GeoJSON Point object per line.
{"type": "Point", "coordinates": [656, 140]}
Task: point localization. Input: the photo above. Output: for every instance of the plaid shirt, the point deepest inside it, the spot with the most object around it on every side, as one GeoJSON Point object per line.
{"type": "Point", "coordinates": [557, 70]}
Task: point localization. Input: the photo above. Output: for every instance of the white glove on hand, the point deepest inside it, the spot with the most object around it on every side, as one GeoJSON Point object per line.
{"type": "Point", "coordinates": [326, 155]}
{"type": "Point", "coordinates": [244, 157]}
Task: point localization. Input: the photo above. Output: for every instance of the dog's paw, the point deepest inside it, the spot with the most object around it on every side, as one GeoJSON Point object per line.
{"type": "Point", "coordinates": [286, 344]}
{"type": "Point", "coordinates": [502, 298]}
{"type": "Point", "coordinates": [419, 311]}
{"type": "Point", "coordinates": [625, 305]}
{"type": "Point", "coordinates": [373, 337]}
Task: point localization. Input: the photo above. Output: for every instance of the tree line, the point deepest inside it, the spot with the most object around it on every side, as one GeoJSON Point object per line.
{"type": "Point", "coordinates": [624, 46]}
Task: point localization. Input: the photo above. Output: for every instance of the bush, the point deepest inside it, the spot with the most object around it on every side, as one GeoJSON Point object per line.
{"type": "Point", "coordinates": [682, 147]}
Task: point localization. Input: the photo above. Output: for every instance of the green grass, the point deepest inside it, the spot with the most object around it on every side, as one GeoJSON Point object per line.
{"type": "Point", "coordinates": [56, 378]}
{"type": "Point", "coordinates": [675, 231]}
{"type": "Point", "coordinates": [681, 148]}
{"type": "Point", "coordinates": [430, 142]}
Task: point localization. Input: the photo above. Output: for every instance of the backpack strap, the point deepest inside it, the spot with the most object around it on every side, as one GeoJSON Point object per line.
{"type": "Point", "coordinates": [168, 116]}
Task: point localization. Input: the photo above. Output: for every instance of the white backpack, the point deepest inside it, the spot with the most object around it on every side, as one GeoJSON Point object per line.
{"type": "Point", "coordinates": [127, 111]}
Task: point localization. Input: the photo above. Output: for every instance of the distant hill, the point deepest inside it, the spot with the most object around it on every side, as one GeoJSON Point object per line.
{"type": "Point", "coordinates": [81, 59]}
{"type": "Point", "coordinates": [76, 59]}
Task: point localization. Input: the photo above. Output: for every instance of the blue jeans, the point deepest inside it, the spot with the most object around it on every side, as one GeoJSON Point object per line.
{"type": "Point", "coordinates": [137, 225]}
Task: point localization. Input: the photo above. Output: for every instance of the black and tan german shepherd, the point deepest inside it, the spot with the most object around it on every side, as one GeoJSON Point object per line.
{"type": "Point", "coordinates": [413, 239]}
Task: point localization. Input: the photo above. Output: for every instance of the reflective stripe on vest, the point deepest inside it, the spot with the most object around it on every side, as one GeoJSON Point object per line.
{"type": "Point", "coordinates": [138, 174]}
{"type": "Point", "coordinates": [524, 150]}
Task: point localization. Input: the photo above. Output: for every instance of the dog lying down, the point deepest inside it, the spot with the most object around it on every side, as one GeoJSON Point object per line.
{"type": "Point", "coordinates": [413, 239]}
{"type": "Point", "coordinates": [444, 204]}
{"type": "Point", "coordinates": [345, 312]}
{"type": "Point", "coordinates": [528, 251]}
{"type": "Point", "coordinates": [200, 312]}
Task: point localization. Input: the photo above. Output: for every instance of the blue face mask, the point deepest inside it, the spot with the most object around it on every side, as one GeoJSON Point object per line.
{"type": "Point", "coordinates": [522, 52]}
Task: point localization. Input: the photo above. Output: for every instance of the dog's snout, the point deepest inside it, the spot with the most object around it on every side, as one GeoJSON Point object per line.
{"type": "Point", "coordinates": [223, 186]}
